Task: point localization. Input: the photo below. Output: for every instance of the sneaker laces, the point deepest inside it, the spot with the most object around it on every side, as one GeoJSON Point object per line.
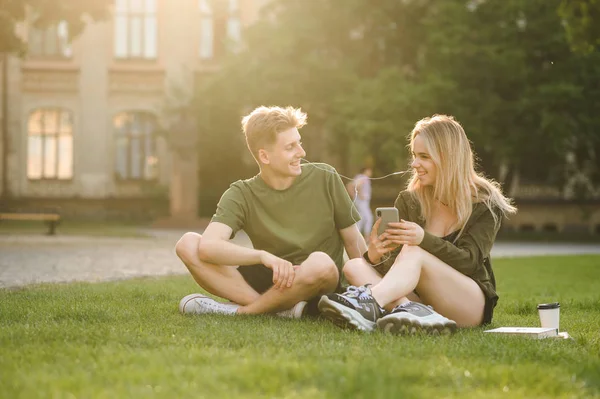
{"type": "Point", "coordinates": [362, 292]}
{"type": "Point", "coordinates": [218, 307]}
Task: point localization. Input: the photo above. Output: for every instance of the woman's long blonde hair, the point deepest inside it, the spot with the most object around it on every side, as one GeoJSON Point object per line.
{"type": "Point", "coordinates": [457, 185]}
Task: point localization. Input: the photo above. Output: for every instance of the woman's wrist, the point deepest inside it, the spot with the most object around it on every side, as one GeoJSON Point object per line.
{"type": "Point", "coordinates": [367, 258]}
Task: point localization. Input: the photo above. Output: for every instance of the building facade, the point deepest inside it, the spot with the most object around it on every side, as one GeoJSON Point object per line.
{"type": "Point", "coordinates": [87, 121]}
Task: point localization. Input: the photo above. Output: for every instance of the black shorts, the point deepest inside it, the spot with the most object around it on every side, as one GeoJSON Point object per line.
{"type": "Point", "coordinates": [488, 310]}
{"type": "Point", "coordinates": [258, 277]}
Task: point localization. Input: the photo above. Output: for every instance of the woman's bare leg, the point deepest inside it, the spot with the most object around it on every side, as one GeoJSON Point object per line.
{"type": "Point", "coordinates": [450, 292]}
{"type": "Point", "coordinates": [358, 272]}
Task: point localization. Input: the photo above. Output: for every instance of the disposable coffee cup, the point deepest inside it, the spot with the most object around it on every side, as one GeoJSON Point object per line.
{"type": "Point", "coordinates": [549, 314]}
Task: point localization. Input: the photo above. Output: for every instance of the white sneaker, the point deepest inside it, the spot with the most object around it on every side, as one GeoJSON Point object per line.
{"type": "Point", "coordinates": [293, 313]}
{"type": "Point", "coordinates": [201, 304]}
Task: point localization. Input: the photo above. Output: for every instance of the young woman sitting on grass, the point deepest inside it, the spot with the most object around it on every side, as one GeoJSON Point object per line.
{"type": "Point", "coordinates": [439, 252]}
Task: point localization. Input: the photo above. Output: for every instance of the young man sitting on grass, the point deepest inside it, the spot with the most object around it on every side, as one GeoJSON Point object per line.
{"type": "Point", "coordinates": [298, 217]}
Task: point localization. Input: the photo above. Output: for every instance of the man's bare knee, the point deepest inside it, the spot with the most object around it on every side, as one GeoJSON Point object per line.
{"type": "Point", "coordinates": [352, 268]}
{"type": "Point", "coordinates": [321, 269]}
{"type": "Point", "coordinates": [319, 258]}
{"type": "Point", "coordinates": [187, 246]}
{"type": "Point", "coordinates": [324, 275]}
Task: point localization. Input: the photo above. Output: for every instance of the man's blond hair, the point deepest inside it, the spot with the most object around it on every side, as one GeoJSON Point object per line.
{"type": "Point", "coordinates": [263, 124]}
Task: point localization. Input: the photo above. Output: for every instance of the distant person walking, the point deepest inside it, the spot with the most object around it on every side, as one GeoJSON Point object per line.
{"type": "Point", "coordinates": [362, 190]}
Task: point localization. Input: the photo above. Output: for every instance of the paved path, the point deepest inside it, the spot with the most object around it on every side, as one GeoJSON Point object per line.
{"type": "Point", "coordinates": [41, 259]}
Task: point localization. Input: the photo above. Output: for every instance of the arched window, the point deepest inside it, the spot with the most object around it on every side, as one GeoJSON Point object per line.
{"type": "Point", "coordinates": [53, 41]}
{"type": "Point", "coordinates": [135, 29]}
{"type": "Point", "coordinates": [206, 31]}
{"type": "Point", "coordinates": [50, 144]}
{"type": "Point", "coordinates": [136, 157]}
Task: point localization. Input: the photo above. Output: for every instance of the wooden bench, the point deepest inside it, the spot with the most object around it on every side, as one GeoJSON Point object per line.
{"type": "Point", "coordinates": [51, 219]}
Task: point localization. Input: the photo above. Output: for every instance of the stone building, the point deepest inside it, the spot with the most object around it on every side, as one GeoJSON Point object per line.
{"type": "Point", "coordinates": [83, 120]}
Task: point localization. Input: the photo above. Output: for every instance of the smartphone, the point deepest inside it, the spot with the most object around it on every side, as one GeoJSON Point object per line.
{"type": "Point", "coordinates": [387, 215]}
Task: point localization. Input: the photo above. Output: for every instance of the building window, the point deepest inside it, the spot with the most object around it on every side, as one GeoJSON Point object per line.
{"type": "Point", "coordinates": [53, 41]}
{"type": "Point", "coordinates": [234, 26]}
{"type": "Point", "coordinates": [206, 31]}
{"type": "Point", "coordinates": [135, 29]}
{"type": "Point", "coordinates": [50, 145]}
{"type": "Point", "coordinates": [136, 146]}
{"type": "Point", "coordinates": [220, 28]}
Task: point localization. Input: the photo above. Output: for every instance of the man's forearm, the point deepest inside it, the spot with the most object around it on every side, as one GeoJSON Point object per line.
{"type": "Point", "coordinates": [353, 242]}
{"type": "Point", "coordinates": [221, 252]}
{"type": "Point", "coordinates": [356, 249]}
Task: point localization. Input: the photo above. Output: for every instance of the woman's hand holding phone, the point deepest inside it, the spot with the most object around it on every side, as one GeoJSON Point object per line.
{"type": "Point", "coordinates": [404, 233]}
{"type": "Point", "coordinates": [379, 245]}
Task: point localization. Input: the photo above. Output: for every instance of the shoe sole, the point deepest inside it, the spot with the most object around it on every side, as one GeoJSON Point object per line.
{"type": "Point", "coordinates": [409, 325]}
{"type": "Point", "coordinates": [344, 317]}
{"type": "Point", "coordinates": [299, 310]}
{"type": "Point", "coordinates": [186, 299]}
{"type": "Point", "coordinates": [295, 313]}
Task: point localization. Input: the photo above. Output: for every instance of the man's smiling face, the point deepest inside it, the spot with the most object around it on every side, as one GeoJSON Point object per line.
{"type": "Point", "coordinates": [285, 154]}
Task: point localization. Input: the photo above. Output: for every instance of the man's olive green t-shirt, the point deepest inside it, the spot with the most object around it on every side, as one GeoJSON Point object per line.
{"type": "Point", "coordinates": [291, 223]}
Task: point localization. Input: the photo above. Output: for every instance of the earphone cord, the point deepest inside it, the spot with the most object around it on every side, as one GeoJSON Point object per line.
{"type": "Point", "coordinates": [385, 258]}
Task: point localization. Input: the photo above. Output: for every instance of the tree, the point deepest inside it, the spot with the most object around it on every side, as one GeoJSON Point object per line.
{"type": "Point", "coordinates": [506, 71]}
{"type": "Point", "coordinates": [45, 13]}
{"type": "Point", "coordinates": [313, 54]}
{"type": "Point", "coordinates": [366, 71]}
{"type": "Point", "coordinates": [582, 23]}
{"type": "Point", "coordinates": [524, 95]}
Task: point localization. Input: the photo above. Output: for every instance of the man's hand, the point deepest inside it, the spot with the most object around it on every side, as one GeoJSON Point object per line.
{"type": "Point", "coordinates": [403, 232]}
{"type": "Point", "coordinates": [379, 245]}
{"type": "Point", "coordinates": [283, 271]}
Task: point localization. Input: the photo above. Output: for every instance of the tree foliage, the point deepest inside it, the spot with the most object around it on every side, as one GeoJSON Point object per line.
{"type": "Point", "coordinates": [44, 13]}
{"type": "Point", "coordinates": [582, 22]}
{"type": "Point", "coordinates": [366, 71]}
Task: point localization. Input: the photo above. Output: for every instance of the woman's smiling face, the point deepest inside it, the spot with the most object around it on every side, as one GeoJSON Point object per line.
{"type": "Point", "coordinates": [422, 163]}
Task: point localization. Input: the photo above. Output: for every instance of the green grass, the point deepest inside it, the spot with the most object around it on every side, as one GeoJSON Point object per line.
{"type": "Point", "coordinates": [126, 339]}
{"type": "Point", "coordinates": [75, 227]}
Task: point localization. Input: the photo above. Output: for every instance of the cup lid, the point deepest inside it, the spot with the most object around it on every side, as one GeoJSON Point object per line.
{"type": "Point", "coordinates": [553, 305]}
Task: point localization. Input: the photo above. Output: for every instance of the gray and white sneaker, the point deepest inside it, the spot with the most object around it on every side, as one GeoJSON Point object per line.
{"type": "Point", "coordinates": [355, 309]}
{"type": "Point", "coordinates": [414, 317]}
{"type": "Point", "coordinates": [201, 304]}
{"type": "Point", "coordinates": [295, 312]}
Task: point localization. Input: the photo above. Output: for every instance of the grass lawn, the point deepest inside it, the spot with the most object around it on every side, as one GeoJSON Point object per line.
{"type": "Point", "coordinates": [75, 228]}
{"type": "Point", "coordinates": [126, 339]}
{"type": "Point", "coordinates": [549, 237]}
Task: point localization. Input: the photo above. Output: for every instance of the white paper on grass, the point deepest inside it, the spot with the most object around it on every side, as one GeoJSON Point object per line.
{"type": "Point", "coordinates": [533, 332]}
